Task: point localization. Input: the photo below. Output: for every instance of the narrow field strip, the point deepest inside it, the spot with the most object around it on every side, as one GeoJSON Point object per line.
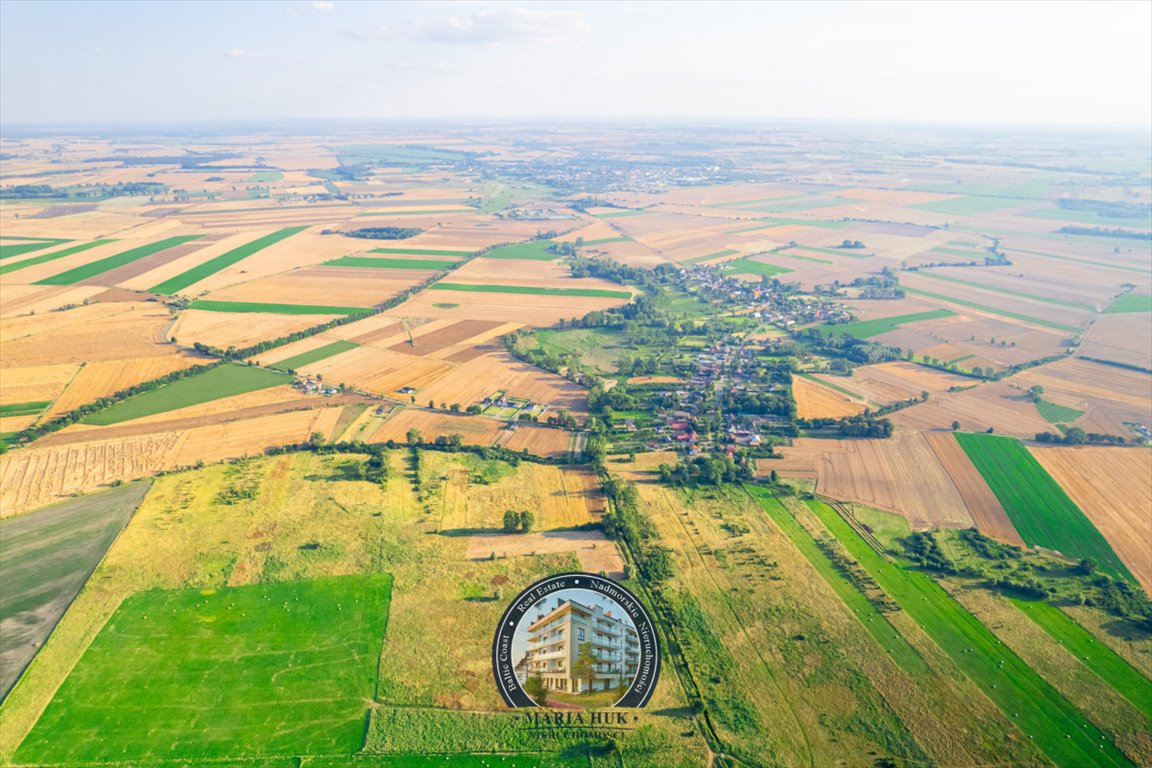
{"type": "Point", "coordinates": [421, 252]}
{"type": "Point", "coordinates": [993, 310]}
{"type": "Point", "coordinates": [1058, 729]}
{"type": "Point", "coordinates": [314, 356]}
{"type": "Point", "coordinates": [274, 309]}
{"type": "Point", "coordinates": [214, 265]}
{"type": "Point", "coordinates": [1006, 292]}
{"type": "Point", "coordinates": [101, 266]}
{"type": "Point", "coordinates": [1036, 504]}
{"type": "Point", "coordinates": [1105, 663]}
{"type": "Point", "coordinates": [591, 292]}
{"type": "Point", "coordinates": [35, 244]}
{"type": "Point", "coordinates": [23, 409]}
{"type": "Point", "coordinates": [865, 329]}
{"type": "Point", "coordinates": [370, 263]}
{"type": "Point", "coordinates": [6, 268]}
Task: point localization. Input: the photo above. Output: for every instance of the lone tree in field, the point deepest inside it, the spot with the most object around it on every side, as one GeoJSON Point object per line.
{"type": "Point", "coordinates": [511, 520]}
{"type": "Point", "coordinates": [585, 666]}
{"type": "Point", "coordinates": [955, 426]}
{"type": "Point", "coordinates": [527, 520]}
{"type": "Point", "coordinates": [414, 436]}
{"type": "Point", "coordinates": [1037, 393]}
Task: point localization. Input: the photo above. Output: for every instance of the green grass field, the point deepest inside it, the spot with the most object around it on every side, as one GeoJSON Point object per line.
{"type": "Point", "coordinates": [993, 310]}
{"type": "Point", "coordinates": [437, 265]}
{"type": "Point", "coordinates": [213, 384]}
{"type": "Point", "coordinates": [314, 356]}
{"type": "Point", "coordinates": [1056, 727]}
{"type": "Point", "coordinates": [421, 252]}
{"type": "Point", "coordinates": [100, 266]}
{"type": "Point", "coordinates": [1037, 506]}
{"type": "Point", "coordinates": [9, 250]}
{"type": "Point", "coordinates": [972, 255]}
{"type": "Point", "coordinates": [529, 289]}
{"type": "Point", "coordinates": [46, 556]}
{"type": "Point", "coordinates": [1093, 654]}
{"type": "Point", "coordinates": [751, 267]}
{"type": "Point", "coordinates": [1006, 292]}
{"type": "Point", "coordinates": [265, 176]}
{"type": "Point", "coordinates": [866, 329]}
{"type": "Point", "coordinates": [1129, 303]}
{"type": "Point", "coordinates": [1057, 414]}
{"type": "Point", "coordinates": [855, 253]}
{"type": "Point", "coordinates": [806, 258]}
{"type": "Point", "coordinates": [969, 206]}
{"type": "Point", "coordinates": [607, 240]}
{"type": "Point", "coordinates": [872, 619]}
{"type": "Point", "coordinates": [710, 256]}
{"type": "Point", "coordinates": [23, 409]}
{"type": "Point", "coordinates": [212, 266]}
{"type": "Point", "coordinates": [269, 669]}
{"type": "Point", "coordinates": [533, 250]}
{"type": "Point", "coordinates": [264, 308]}
{"type": "Point", "coordinates": [620, 214]}
{"type": "Point", "coordinates": [6, 268]}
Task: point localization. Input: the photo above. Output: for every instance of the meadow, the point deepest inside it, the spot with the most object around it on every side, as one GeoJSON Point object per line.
{"type": "Point", "coordinates": [532, 250]}
{"type": "Point", "coordinates": [8, 250]}
{"type": "Point", "coordinates": [752, 267]}
{"type": "Point", "coordinates": [1039, 509]}
{"type": "Point", "coordinates": [421, 251]}
{"type": "Point", "coordinates": [280, 668]}
{"type": "Point", "coordinates": [373, 263]}
{"type": "Point", "coordinates": [219, 382]}
{"type": "Point", "coordinates": [866, 329]}
{"type": "Point", "coordinates": [1130, 302]}
{"type": "Point", "coordinates": [314, 355]}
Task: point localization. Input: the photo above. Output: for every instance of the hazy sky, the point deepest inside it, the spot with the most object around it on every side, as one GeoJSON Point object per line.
{"type": "Point", "coordinates": [1031, 62]}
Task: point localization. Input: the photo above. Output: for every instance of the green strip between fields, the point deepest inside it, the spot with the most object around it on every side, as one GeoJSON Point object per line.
{"type": "Point", "coordinates": [835, 251]}
{"type": "Point", "coordinates": [6, 268]}
{"type": "Point", "coordinates": [370, 263]}
{"type": "Point", "coordinates": [314, 356]}
{"type": "Point", "coordinates": [866, 329]}
{"type": "Point", "coordinates": [101, 266]}
{"type": "Point", "coordinates": [1056, 727]}
{"type": "Point", "coordinates": [419, 252]}
{"type": "Point", "coordinates": [592, 292]}
{"type": "Point", "coordinates": [606, 240]}
{"type": "Point", "coordinates": [214, 265]}
{"type": "Point", "coordinates": [992, 310]}
{"type": "Point", "coordinates": [710, 256]}
{"type": "Point", "coordinates": [1094, 654]}
{"type": "Point", "coordinates": [257, 307]}
{"type": "Point", "coordinates": [1038, 507]}
{"type": "Point", "coordinates": [8, 251]}
{"type": "Point", "coordinates": [24, 409]}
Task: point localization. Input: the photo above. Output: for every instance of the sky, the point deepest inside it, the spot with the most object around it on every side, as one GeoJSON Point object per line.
{"type": "Point", "coordinates": [1035, 63]}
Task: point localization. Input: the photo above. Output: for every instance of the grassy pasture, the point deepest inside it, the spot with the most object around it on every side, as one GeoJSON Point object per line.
{"type": "Point", "coordinates": [993, 310]}
{"type": "Point", "coordinates": [752, 267]}
{"type": "Point", "coordinates": [23, 409]}
{"type": "Point", "coordinates": [969, 206]}
{"type": "Point", "coordinates": [806, 258]}
{"type": "Point", "coordinates": [1105, 663]}
{"type": "Point", "coordinates": [1057, 414]}
{"type": "Point", "coordinates": [314, 355]}
{"type": "Point", "coordinates": [533, 250]}
{"type": "Point", "coordinates": [281, 668]}
{"type": "Point", "coordinates": [710, 256]}
{"type": "Point", "coordinates": [6, 268]}
{"type": "Point", "coordinates": [1056, 727]}
{"type": "Point", "coordinates": [620, 214]}
{"type": "Point", "coordinates": [592, 292]}
{"type": "Point", "coordinates": [265, 176]}
{"type": "Point", "coordinates": [1130, 303]}
{"type": "Point", "coordinates": [46, 556]}
{"type": "Point", "coordinates": [1021, 294]}
{"type": "Point", "coordinates": [851, 252]}
{"type": "Point", "coordinates": [269, 308]}
{"type": "Point", "coordinates": [422, 252]}
{"type": "Point", "coordinates": [606, 240]}
{"type": "Point", "coordinates": [213, 384]}
{"type": "Point", "coordinates": [100, 266]}
{"type": "Point", "coordinates": [9, 250]}
{"type": "Point", "coordinates": [361, 261]}
{"type": "Point", "coordinates": [866, 329]}
{"type": "Point", "coordinates": [1038, 507]}
{"type": "Point", "coordinates": [212, 266]}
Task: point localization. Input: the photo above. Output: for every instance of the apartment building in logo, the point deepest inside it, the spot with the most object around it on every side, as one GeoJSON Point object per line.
{"type": "Point", "coordinates": [559, 639]}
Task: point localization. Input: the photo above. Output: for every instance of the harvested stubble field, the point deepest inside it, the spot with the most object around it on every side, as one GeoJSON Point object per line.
{"type": "Point", "coordinates": [539, 441]}
{"type": "Point", "coordinates": [475, 430]}
{"type": "Point", "coordinates": [887, 383]}
{"type": "Point", "coordinates": [815, 401]}
{"type": "Point", "coordinates": [38, 383]}
{"type": "Point", "coordinates": [336, 286]}
{"type": "Point", "coordinates": [226, 329]}
{"type": "Point", "coordinates": [922, 476]}
{"type": "Point", "coordinates": [102, 331]}
{"type": "Point", "coordinates": [597, 553]}
{"type": "Point", "coordinates": [85, 458]}
{"type": "Point", "coordinates": [107, 377]}
{"type": "Point", "coordinates": [1109, 396]}
{"type": "Point", "coordinates": [25, 300]}
{"type": "Point", "coordinates": [1112, 487]}
{"type": "Point", "coordinates": [1119, 338]}
{"type": "Point", "coordinates": [996, 404]}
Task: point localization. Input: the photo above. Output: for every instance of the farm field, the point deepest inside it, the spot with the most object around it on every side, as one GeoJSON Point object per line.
{"type": "Point", "coordinates": [816, 400]}
{"type": "Point", "coordinates": [100, 266]}
{"type": "Point", "coordinates": [47, 557]}
{"type": "Point", "coordinates": [866, 329]}
{"type": "Point", "coordinates": [218, 382]}
{"type": "Point", "coordinates": [1039, 509]}
{"type": "Point", "coordinates": [1118, 510]}
{"type": "Point", "coordinates": [232, 646]}
{"type": "Point", "coordinates": [1120, 339]}
{"type": "Point", "coordinates": [1006, 408]}
{"type": "Point", "coordinates": [532, 289]}
{"type": "Point", "coordinates": [184, 280]}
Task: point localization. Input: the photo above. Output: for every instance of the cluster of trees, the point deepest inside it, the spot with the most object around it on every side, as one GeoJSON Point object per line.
{"type": "Point", "coordinates": [567, 249]}
{"type": "Point", "coordinates": [625, 523]}
{"type": "Point", "coordinates": [519, 522]}
{"type": "Point", "coordinates": [848, 346]}
{"type": "Point", "coordinates": [1077, 436]}
{"type": "Point", "coordinates": [922, 548]}
{"type": "Point", "coordinates": [1114, 209]}
{"type": "Point", "coordinates": [378, 233]}
{"type": "Point", "coordinates": [851, 244]}
{"type": "Point", "coordinates": [1102, 232]}
{"type": "Point", "coordinates": [714, 470]}
{"type": "Point", "coordinates": [122, 188]}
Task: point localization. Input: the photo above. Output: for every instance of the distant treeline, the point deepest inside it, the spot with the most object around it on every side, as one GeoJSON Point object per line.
{"type": "Point", "coordinates": [39, 191]}
{"type": "Point", "coordinates": [379, 233]}
{"type": "Point", "coordinates": [1102, 232]}
{"type": "Point", "coordinates": [1108, 208]}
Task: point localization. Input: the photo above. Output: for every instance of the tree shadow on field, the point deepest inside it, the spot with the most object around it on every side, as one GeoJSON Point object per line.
{"type": "Point", "coordinates": [1126, 630]}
